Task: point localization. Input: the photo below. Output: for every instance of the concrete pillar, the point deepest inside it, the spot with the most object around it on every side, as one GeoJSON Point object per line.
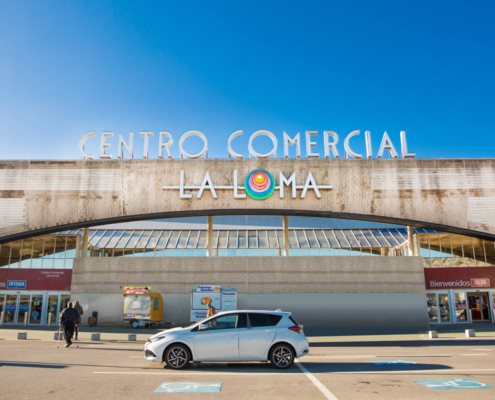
{"type": "Point", "coordinates": [85, 242]}
{"type": "Point", "coordinates": [286, 235]}
{"type": "Point", "coordinates": [78, 247]}
{"type": "Point", "coordinates": [209, 237]}
{"type": "Point", "coordinates": [383, 251]}
{"type": "Point", "coordinates": [410, 238]}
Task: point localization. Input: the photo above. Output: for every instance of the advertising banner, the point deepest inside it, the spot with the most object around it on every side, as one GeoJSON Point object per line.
{"type": "Point", "coordinates": [197, 315]}
{"type": "Point", "coordinates": [201, 299]}
{"type": "Point", "coordinates": [459, 278]}
{"type": "Point", "coordinates": [208, 288]}
{"type": "Point", "coordinates": [16, 284]}
{"type": "Point", "coordinates": [137, 290]}
{"type": "Point", "coordinates": [229, 300]}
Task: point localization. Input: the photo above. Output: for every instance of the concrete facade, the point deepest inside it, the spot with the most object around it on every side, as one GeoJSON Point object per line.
{"type": "Point", "coordinates": [42, 196]}
{"type": "Point", "coordinates": [324, 293]}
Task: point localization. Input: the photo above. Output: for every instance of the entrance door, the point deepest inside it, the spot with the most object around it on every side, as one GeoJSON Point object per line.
{"type": "Point", "coordinates": [479, 307]}
{"type": "Point", "coordinates": [23, 309]}
{"type": "Point", "coordinates": [36, 308]}
{"type": "Point", "coordinates": [10, 309]}
{"type": "Point", "coordinates": [52, 310]}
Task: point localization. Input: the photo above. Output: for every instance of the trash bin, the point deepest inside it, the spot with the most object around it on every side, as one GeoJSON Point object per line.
{"type": "Point", "coordinates": [95, 316]}
{"type": "Point", "coordinates": [91, 321]}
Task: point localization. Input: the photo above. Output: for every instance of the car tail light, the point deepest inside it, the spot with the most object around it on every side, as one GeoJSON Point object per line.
{"type": "Point", "coordinates": [296, 328]}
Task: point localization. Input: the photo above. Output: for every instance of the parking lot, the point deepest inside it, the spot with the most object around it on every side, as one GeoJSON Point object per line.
{"type": "Point", "coordinates": [115, 369]}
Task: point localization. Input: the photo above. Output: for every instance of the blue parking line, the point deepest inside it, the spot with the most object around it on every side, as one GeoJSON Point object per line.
{"type": "Point", "coordinates": [189, 387]}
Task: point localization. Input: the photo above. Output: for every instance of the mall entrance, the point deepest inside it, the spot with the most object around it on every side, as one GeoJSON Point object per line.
{"type": "Point", "coordinates": [479, 307]}
{"type": "Point", "coordinates": [32, 308]}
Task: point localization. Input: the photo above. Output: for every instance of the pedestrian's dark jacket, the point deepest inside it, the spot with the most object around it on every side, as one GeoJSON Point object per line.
{"type": "Point", "coordinates": [70, 315]}
{"type": "Point", "coordinates": [78, 307]}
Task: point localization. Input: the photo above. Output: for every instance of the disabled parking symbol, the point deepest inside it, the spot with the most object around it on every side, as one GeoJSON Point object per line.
{"type": "Point", "coordinates": [189, 387]}
{"type": "Point", "coordinates": [459, 383]}
{"type": "Point", "coordinates": [392, 363]}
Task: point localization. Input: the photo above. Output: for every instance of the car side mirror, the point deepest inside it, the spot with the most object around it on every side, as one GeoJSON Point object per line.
{"type": "Point", "coordinates": [203, 327]}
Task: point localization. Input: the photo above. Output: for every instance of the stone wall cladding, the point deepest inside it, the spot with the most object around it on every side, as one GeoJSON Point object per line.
{"type": "Point", "coordinates": [251, 275]}
{"type": "Point", "coordinates": [458, 194]}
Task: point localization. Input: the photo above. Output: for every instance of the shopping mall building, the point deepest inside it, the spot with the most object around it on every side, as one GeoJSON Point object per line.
{"type": "Point", "coordinates": [346, 245]}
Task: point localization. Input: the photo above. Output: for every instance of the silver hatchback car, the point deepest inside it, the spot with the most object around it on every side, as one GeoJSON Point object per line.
{"type": "Point", "coordinates": [273, 336]}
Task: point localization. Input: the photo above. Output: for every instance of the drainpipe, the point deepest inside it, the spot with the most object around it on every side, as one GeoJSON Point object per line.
{"type": "Point", "coordinates": [286, 235]}
{"type": "Point", "coordinates": [209, 237]}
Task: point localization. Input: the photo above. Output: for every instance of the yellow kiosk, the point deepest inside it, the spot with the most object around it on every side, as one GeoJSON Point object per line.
{"type": "Point", "coordinates": [141, 307]}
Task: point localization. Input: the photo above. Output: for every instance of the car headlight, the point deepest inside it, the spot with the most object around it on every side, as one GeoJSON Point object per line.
{"type": "Point", "coordinates": [156, 339]}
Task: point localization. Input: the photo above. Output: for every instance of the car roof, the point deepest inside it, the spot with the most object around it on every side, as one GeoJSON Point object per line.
{"type": "Point", "coordinates": [255, 311]}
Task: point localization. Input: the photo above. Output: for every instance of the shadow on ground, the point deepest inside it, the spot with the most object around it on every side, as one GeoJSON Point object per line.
{"type": "Point", "coordinates": [408, 343]}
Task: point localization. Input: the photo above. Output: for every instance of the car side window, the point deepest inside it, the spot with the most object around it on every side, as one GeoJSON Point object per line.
{"type": "Point", "coordinates": [259, 320]}
{"type": "Point", "coordinates": [230, 321]}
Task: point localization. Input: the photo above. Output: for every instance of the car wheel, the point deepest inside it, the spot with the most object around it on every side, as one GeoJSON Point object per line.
{"type": "Point", "coordinates": [177, 356]}
{"type": "Point", "coordinates": [282, 356]}
{"type": "Point", "coordinates": [135, 324]}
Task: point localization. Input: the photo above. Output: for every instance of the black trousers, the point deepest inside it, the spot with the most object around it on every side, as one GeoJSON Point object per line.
{"type": "Point", "coordinates": [68, 331]}
{"type": "Point", "coordinates": [76, 330]}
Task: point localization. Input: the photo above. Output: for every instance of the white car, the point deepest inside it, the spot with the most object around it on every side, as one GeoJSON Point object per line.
{"type": "Point", "coordinates": [273, 336]}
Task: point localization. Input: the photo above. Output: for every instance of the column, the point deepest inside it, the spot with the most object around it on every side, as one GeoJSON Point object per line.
{"type": "Point", "coordinates": [410, 238]}
{"type": "Point", "coordinates": [85, 242]}
{"type": "Point", "coordinates": [286, 235]}
{"type": "Point", "coordinates": [209, 237]}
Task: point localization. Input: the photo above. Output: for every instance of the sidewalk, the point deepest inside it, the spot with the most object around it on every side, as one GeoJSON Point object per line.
{"type": "Point", "coordinates": [116, 334]}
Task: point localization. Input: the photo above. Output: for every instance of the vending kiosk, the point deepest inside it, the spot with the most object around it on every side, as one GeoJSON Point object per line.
{"type": "Point", "coordinates": [221, 299]}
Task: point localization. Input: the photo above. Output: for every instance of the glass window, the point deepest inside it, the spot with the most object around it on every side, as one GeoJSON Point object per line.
{"type": "Point", "coordinates": [162, 242]}
{"type": "Point", "coordinates": [143, 240]}
{"type": "Point", "coordinates": [360, 238]}
{"type": "Point", "coordinates": [252, 252]}
{"type": "Point", "coordinates": [479, 253]}
{"type": "Point", "coordinates": [313, 241]}
{"type": "Point", "coordinates": [350, 238]}
{"type": "Point", "coordinates": [457, 253]}
{"type": "Point", "coordinates": [259, 320]}
{"type": "Point", "coordinates": [228, 321]}
{"type": "Point", "coordinates": [193, 240]}
{"type": "Point", "coordinates": [252, 240]}
{"type": "Point", "coordinates": [446, 246]}
{"type": "Point", "coordinates": [58, 263]}
{"type": "Point", "coordinates": [371, 238]}
{"type": "Point", "coordinates": [263, 240]}
{"type": "Point", "coordinates": [70, 252]}
{"type": "Point", "coordinates": [5, 254]}
{"type": "Point", "coordinates": [431, 299]}
{"type": "Point", "coordinates": [222, 239]}
{"type": "Point", "coordinates": [124, 239]}
{"type": "Point", "coordinates": [490, 253]}
{"type": "Point", "coordinates": [15, 255]}
{"type": "Point", "coordinates": [443, 300]}
{"type": "Point", "coordinates": [341, 238]}
{"type": "Point", "coordinates": [380, 238]}
{"type": "Point", "coordinates": [242, 237]}
{"type": "Point", "coordinates": [69, 262]}
{"type": "Point", "coordinates": [114, 239]}
{"type": "Point", "coordinates": [149, 253]}
{"type": "Point", "coordinates": [322, 238]}
{"type": "Point", "coordinates": [134, 239]}
{"type": "Point", "coordinates": [27, 253]}
{"type": "Point", "coordinates": [96, 238]}
{"type": "Point", "coordinates": [293, 243]}
{"type": "Point", "coordinates": [105, 238]}
{"type": "Point", "coordinates": [202, 239]}
{"type": "Point", "coordinates": [272, 239]}
{"type": "Point", "coordinates": [60, 243]}
{"type": "Point", "coordinates": [232, 239]}
{"type": "Point", "coordinates": [390, 238]}
{"type": "Point", "coordinates": [174, 237]}
{"type": "Point", "coordinates": [424, 245]}
{"type": "Point", "coordinates": [460, 307]}
{"type": "Point", "coordinates": [154, 239]}
{"type": "Point", "coordinates": [435, 251]}
{"type": "Point", "coordinates": [467, 246]}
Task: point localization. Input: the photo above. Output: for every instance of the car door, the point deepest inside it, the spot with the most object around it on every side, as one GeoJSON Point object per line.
{"type": "Point", "coordinates": [221, 341]}
{"type": "Point", "coordinates": [255, 341]}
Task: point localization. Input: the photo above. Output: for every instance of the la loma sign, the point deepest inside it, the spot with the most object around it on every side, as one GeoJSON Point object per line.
{"type": "Point", "coordinates": [330, 139]}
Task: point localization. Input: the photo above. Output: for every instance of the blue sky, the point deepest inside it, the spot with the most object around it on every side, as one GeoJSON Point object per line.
{"type": "Point", "coordinates": [70, 67]}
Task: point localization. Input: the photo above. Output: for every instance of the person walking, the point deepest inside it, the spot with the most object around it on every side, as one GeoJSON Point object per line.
{"type": "Point", "coordinates": [79, 309]}
{"type": "Point", "coordinates": [68, 319]}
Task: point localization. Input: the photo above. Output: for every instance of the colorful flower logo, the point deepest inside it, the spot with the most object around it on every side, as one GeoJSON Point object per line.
{"type": "Point", "coordinates": [259, 184]}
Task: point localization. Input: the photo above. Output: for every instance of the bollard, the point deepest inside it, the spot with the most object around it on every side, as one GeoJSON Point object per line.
{"type": "Point", "coordinates": [21, 335]}
{"type": "Point", "coordinates": [132, 338]}
{"type": "Point", "coordinates": [433, 334]}
{"type": "Point", "coordinates": [25, 318]}
{"type": "Point", "coordinates": [95, 337]}
{"type": "Point", "coordinates": [49, 319]}
{"type": "Point", "coordinates": [1, 318]}
{"type": "Point", "coordinates": [470, 333]}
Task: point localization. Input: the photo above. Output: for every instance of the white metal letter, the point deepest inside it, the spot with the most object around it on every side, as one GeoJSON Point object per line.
{"type": "Point", "coordinates": [369, 149]}
{"type": "Point", "coordinates": [193, 133]}
{"type": "Point", "coordinates": [182, 194]}
{"type": "Point", "coordinates": [387, 145]}
{"type": "Point", "coordinates": [120, 151]}
{"type": "Point", "coordinates": [310, 184]}
{"type": "Point", "coordinates": [283, 181]}
{"type": "Point", "coordinates": [332, 145]}
{"type": "Point", "coordinates": [296, 141]}
{"type": "Point", "coordinates": [207, 184]}
{"type": "Point", "coordinates": [263, 133]}
{"type": "Point", "coordinates": [104, 145]}
{"type": "Point", "coordinates": [403, 146]}
{"type": "Point", "coordinates": [347, 148]}
{"type": "Point", "coordinates": [83, 139]}
{"type": "Point", "coordinates": [146, 136]}
{"type": "Point", "coordinates": [237, 195]}
{"type": "Point", "coordinates": [309, 144]}
{"type": "Point", "coordinates": [229, 145]}
{"type": "Point", "coordinates": [165, 145]}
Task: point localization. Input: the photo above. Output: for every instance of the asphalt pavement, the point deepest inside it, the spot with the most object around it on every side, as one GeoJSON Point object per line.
{"type": "Point", "coordinates": [350, 367]}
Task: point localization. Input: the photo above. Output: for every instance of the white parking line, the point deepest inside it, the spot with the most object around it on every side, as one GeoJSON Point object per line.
{"type": "Point", "coordinates": [197, 373]}
{"type": "Point", "coordinates": [327, 393]}
{"type": "Point", "coordinates": [306, 357]}
{"type": "Point", "coordinates": [474, 354]}
{"type": "Point", "coordinates": [409, 372]}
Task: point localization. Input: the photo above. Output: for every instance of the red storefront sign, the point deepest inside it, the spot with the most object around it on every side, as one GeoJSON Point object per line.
{"type": "Point", "coordinates": [37, 279]}
{"type": "Point", "coordinates": [459, 278]}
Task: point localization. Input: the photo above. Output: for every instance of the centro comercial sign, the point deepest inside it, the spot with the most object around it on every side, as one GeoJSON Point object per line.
{"type": "Point", "coordinates": [258, 184]}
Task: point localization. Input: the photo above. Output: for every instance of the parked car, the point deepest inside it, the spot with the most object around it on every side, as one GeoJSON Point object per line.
{"type": "Point", "coordinates": [273, 336]}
